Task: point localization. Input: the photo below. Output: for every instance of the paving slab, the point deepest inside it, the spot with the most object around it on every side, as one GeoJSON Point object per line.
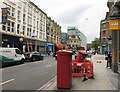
{"type": "Point", "coordinates": [100, 81]}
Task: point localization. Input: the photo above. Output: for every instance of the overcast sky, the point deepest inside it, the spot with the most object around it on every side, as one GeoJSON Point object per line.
{"type": "Point", "coordinates": [84, 14]}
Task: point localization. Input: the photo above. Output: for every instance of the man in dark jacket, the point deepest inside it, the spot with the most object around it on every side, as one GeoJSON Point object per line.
{"type": "Point", "coordinates": [109, 59]}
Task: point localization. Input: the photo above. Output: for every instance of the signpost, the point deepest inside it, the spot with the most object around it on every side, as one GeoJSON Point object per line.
{"type": "Point", "coordinates": [114, 24]}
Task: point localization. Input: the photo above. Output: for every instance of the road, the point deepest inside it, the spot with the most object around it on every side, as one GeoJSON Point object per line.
{"type": "Point", "coordinates": [29, 76]}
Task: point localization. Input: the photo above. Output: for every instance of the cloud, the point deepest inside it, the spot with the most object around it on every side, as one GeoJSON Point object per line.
{"type": "Point", "coordinates": [84, 14]}
{"type": "Point", "coordinates": [72, 15]}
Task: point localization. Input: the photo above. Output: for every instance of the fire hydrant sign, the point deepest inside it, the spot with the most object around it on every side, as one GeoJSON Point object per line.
{"type": "Point", "coordinates": [114, 24]}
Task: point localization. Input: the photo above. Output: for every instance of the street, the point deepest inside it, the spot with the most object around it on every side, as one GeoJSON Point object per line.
{"type": "Point", "coordinates": [29, 76]}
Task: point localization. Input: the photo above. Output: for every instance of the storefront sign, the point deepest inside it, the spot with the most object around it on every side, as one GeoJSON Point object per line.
{"type": "Point", "coordinates": [21, 39]}
{"type": "Point", "coordinates": [114, 24]}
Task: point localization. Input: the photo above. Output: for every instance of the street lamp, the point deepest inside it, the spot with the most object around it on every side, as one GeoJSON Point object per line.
{"type": "Point", "coordinates": [109, 43]}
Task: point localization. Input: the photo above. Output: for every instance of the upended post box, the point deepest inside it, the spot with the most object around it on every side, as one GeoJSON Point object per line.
{"type": "Point", "coordinates": [64, 69]}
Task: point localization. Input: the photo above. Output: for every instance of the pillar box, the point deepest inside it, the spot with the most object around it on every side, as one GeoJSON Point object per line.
{"type": "Point", "coordinates": [64, 69]}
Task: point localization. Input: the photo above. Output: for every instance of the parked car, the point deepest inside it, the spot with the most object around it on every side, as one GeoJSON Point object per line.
{"type": "Point", "coordinates": [33, 56]}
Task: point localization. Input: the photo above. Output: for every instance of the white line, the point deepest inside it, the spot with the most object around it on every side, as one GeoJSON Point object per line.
{"type": "Point", "coordinates": [47, 84]}
{"type": "Point", "coordinates": [109, 81]}
{"type": "Point", "coordinates": [21, 65]}
{"type": "Point", "coordinates": [7, 81]}
{"type": "Point", "coordinates": [48, 65]}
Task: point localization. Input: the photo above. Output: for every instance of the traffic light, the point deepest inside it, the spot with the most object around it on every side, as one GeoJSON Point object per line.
{"type": "Point", "coordinates": [5, 12]}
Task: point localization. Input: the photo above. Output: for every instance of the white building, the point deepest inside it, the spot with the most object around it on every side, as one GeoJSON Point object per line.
{"type": "Point", "coordinates": [26, 21]}
{"type": "Point", "coordinates": [76, 38]}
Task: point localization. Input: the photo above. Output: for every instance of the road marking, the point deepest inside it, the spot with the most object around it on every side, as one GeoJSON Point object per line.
{"type": "Point", "coordinates": [21, 65]}
{"type": "Point", "coordinates": [109, 80]}
{"type": "Point", "coordinates": [47, 84]}
{"type": "Point", "coordinates": [1, 69]}
{"type": "Point", "coordinates": [7, 81]}
{"type": "Point", "coordinates": [48, 65]}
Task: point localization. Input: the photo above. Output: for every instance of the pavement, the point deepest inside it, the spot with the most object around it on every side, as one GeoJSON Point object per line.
{"type": "Point", "coordinates": [104, 79]}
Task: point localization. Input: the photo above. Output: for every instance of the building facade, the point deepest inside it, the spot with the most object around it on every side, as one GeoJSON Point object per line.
{"type": "Point", "coordinates": [26, 26]}
{"type": "Point", "coordinates": [76, 39]}
{"type": "Point", "coordinates": [89, 46]}
{"type": "Point", "coordinates": [114, 25]}
{"type": "Point", "coordinates": [53, 34]}
{"type": "Point", "coordinates": [105, 35]}
{"type": "Point", "coordinates": [64, 38]}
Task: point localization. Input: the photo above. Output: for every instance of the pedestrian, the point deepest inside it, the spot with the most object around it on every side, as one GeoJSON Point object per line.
{"type": "Point", "coordinates": [109, 59]}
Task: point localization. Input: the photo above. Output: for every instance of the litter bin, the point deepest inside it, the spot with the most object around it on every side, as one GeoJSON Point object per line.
{"type": "Point", "coordinates": [64, 69]}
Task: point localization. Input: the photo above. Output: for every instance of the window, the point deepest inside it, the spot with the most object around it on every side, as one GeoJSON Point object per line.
{"type": "Point", "coordinates": [18, 51]}
{"type": "Point", "coordinates": [12, 28]}
{"type": "Point", "coordinates": [13, 12]}
{"type": "Point", "coordinates": [37, 24]}
{"type": "Point", "coordinates": [34, 13]}
{"type": "Point", "coordinates": [24, 7]}
{"type": "Point", "coordinates": [23, 30]}
{"type": "Point", "coordinates": [29, 10]}
{"type": "Point", "coordinates": [33, 31]}
{"type": "Point", "coordinates": [34, 22]}
{"type": "Point", "coordinates": [4, 27]}
{"type": "Point", "coordinates": [18, 14]}
{"type": "Point", "coordinates": [18, 28]}
{"type": "Point", "coordinates": [23, 17]}
{"type": "Point", "coordinates": [104, 40]}
{"type": "Point", "coordinates": [30, 32]}
{"type": "Point", "coordinates": [8, 26]}
{"type": "Point", "coordinates": [40, 35]}
{"type": "Point", "coordinates": [29, 20]}
{"type": "Point", "coordinates": [27, 31]}
{"type": "Point", "coordinates": [103, 31]}
{"type": "Point", "coordinates": [9, 9]}
{"type": "Point", "coordinates": [37, 34]}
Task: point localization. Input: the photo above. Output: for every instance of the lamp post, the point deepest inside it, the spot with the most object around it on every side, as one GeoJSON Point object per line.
{"type": "Point", "coordinates": [109, 43]}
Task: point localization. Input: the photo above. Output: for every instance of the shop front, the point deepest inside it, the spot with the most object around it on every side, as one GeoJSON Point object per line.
{"type": "Point", "coordinates": [49, 48]}
{"type": "Point", "coordinates": [41, 47]}
{"type": "Point", "coordinates": [12, 41]}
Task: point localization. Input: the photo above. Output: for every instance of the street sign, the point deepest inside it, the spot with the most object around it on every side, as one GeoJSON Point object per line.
{"type": "Point", "coordinates": [5, 12]}
{"type": "Point", "coordinates": [114, 24]}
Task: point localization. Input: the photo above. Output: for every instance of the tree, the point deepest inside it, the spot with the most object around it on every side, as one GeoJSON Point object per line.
{"type": "Point", "coordinates": [96, 43]}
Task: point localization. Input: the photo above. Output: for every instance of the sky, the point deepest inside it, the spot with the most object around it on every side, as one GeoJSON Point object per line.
{"type": "Point", "coordinates": [84, 14]}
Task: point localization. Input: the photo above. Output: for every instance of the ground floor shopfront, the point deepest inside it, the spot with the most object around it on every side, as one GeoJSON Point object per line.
{"type": "Point", "coordinates": [24, 44]}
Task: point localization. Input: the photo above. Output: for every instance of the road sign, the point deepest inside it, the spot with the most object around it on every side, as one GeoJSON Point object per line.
{"type": "Point", "coordinates": [114, 24]}
{"type": "Point", "coordinates": [5, 12]}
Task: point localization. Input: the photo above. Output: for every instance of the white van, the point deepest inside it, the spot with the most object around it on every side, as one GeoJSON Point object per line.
{"type": "Point", "coordinates": [8, 55]}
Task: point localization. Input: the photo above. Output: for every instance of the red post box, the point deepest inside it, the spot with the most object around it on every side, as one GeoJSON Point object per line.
{"type": "Point", "coordinates": [64, 69]}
